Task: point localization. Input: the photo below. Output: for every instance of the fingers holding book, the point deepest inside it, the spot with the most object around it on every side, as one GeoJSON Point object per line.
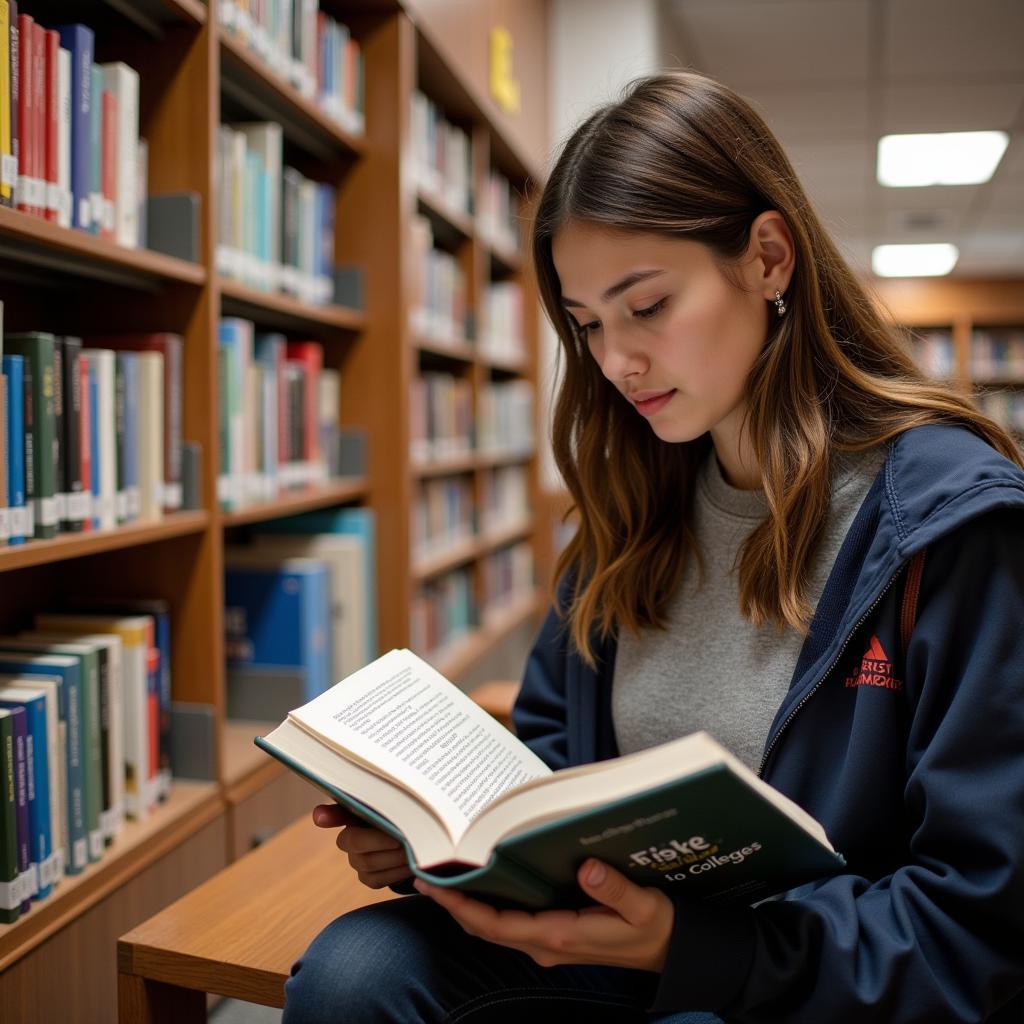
{"type": "Point", "coordinates": [377, 858]}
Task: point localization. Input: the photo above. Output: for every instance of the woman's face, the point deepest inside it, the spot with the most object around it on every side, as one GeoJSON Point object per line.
{"type": "Point", "coordinates": [670, 331]}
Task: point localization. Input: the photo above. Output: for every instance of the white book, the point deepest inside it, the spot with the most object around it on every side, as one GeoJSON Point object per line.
{"type": "Point", "coordinates": [123, 83]}
{"type": "Point", "coordinates": [151, 436]}
{"type": "Point", "coordinates": [102, 363]}
{"type": "Point", "coordinates": [64, 136]}
{"type": "Point", "coordinates": [266, 141]}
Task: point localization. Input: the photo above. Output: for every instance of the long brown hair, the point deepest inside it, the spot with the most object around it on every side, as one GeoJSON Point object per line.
{"type": "Point", "coordinates": [684, 156]}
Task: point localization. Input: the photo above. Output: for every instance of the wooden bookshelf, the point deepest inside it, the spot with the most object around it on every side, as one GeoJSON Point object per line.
{"type": "Point", "coordinates": [194, 73]}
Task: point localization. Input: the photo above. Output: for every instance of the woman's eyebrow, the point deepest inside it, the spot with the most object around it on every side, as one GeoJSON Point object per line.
{"type": "Point", "coordinates": [620, 286]}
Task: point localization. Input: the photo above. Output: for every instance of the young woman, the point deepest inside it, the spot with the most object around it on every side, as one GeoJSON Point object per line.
{"type": "Point", "coordinates": [788, 537]}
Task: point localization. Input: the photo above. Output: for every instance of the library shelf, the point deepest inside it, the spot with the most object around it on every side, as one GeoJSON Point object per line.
{"type": "Point", "coordinates": [461, 351]}
{"type": "Point", "coordinates": [247, 80]}
{"type": "Point", "coordinates": [151, 15]}
{"type": "Point", "coordinates": [505, 261]}
{"type": "Point", "coordinates": [495, 459]}
{"type": "Point", "coordinates": [244, 767]}
{"type": "Point", "coordinates": [188, 807]}
{"type": "Point", "coordinates": [449, 557]}
{"type": "Point", "coordinates": [460, 656]}
{"type": "Point", "coordinates": [47, 246]}
{"type": "Point", "coordinates": [76, 545]}
{"type": "Point", "coordinates": [446, 467]}
{"type": "Point", "coordinates": [518, 365]}
{"type": "Point", "coordinates": [275, 309]}
{"type": "Point", "coordinates": [306, 499]}
{"type": "Point", "coordinates": [501, 536]}
{"type": "Point", "coordinates": [443, 214]}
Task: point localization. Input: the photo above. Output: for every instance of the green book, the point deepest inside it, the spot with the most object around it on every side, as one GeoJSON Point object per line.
{"type": "Point", "coordinates": [476, 810]}
{"type": "Point", "coordinates": [37, 348]}
{"type": "Point", "coordinates": [10, 896]}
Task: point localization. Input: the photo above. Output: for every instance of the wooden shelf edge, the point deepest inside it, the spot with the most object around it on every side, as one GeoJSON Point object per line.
{"type": "Point", "coordinates": [192, 11]}
{"type": "Point", "coordinates": [464, 352]}
{"type": "Point", "coordinates": [306, 500]}
{"type": "Point", "coordinates": [288, 96]}
{"type": "Point", "coordinates": [191, 806]}
{"type": "Point", "coordinates": [445, 467]}
{"type": "Point", "coordinates": [290, 310]}
{"type": "Point", "coordinates": [448, 558]}
{"type": "Point", "coordinates": [77, 545]}
{"type": "Point", "coordinates": [465, 653]}
{"type": "Point", "coordinates": [455, 219]}
{"type": "Point", "coordinates": [72, 250]}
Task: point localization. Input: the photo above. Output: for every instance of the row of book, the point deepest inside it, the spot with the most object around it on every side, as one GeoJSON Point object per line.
{"type": "Point", "coordinates": [280, 410]}
{"type": "Point", "coordinates": [275, 226]}
{"type": "Point", "coordinates": [502, 334]}
{"type": "Point", "coordinates": [85, 701]}
{"type": "Point", "coordinates": [935, 353]}
{"type": "Point", "coordinates": [505, 499]}
{"type": "Point", "coordinates": [438, 306]}
{"type": "Point", "coordinates": [299, 609]}
{"type": "Point", "coordinates": [1005, 407]}
{"type": "Point", "coordinates": [70, 150]}
{"type": "Point", "coordinates": [306, 48]}
{"type": "Point", "coordinates": [91, 432]}
{"type": "Point", "coordinates": [997, 354]}
{"type": "Point", "coordinates": [507, 576]}
{"type": "Point", "coordinates": [441, 155]}
{"type": "Point", "coordinates": [504, 423]}
{"type": "Point", "coordinates": [498, 221]}
{"type": "Point", "coordinates": [443, 516]}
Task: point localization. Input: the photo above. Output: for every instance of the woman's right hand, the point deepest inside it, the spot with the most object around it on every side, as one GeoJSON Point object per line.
{"type": "Point", "coordinates": [378, 859]}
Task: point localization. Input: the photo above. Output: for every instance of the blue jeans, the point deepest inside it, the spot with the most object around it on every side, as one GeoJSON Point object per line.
{"type": "Point", "coordinates": [407, 961]}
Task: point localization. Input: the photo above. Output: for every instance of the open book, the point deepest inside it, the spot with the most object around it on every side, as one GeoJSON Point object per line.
{"type": "Point", "coordinates": [407, 750]}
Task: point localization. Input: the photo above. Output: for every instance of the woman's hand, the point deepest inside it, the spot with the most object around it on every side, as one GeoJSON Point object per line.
{"type": "Point", "coordinates": [631, 927]}
{"type": "Point", "coordinates": [378, 859]}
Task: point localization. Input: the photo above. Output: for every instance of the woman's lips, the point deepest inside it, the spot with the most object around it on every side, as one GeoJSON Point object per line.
{"type": "Point", "coordinates": [649, 402]}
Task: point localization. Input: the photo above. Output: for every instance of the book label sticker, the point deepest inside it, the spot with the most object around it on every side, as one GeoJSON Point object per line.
{"type": "Point", "coordinates": [96, 844]}
{"type": "Point", "coordinates": [80, 853]}
{"type": "Point", "coordinates": [5, 523]}
{"type": "Point", "coordinates": [46, 511]}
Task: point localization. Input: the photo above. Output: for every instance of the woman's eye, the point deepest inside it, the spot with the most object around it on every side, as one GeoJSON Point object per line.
{"type": "Point", "coordinates": [649, 311]}
{"type": "Point", "coordinates": [584, 329]}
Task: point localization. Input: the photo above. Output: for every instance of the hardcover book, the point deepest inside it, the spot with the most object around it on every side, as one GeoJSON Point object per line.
{"type": "Point", "coordinates": [477, 810]}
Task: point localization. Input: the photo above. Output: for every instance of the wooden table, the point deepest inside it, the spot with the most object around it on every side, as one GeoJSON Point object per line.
{"type": "Point", "coordinates": [239, 933]}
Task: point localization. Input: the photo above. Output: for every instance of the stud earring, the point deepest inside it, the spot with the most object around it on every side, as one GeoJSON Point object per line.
{"type": "Point", "coordinates": [780, 304]}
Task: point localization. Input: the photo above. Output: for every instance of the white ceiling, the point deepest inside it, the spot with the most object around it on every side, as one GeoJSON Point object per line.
{"type": "Point", "coordinates": [832, 76]}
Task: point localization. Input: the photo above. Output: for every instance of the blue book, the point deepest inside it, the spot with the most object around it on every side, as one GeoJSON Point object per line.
{"type": "Point", "coordinates": [277, 617]}
{"type": "Point", "coordinates": [351, 522]}
{"type": "Point", "coordinates": [94, 438]}
{"type": "Point", "coordinates": [79, 40]}
{"type": "Point", "coordinates": [14, 369]}
{"type": "Point", "coordinates": [24, 831]}
{"type": "Point", "coordinates": [71, 711]}
{"type": "Point", "coordinates": [38, 778]}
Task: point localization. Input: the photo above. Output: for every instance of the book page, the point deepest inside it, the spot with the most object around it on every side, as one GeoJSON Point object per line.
{"type": "Point", "coordinates": [403, 719]}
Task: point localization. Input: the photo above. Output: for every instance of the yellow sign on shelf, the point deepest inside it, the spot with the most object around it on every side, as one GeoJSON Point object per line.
{"type": "Point", "coordinates": [504, 87]}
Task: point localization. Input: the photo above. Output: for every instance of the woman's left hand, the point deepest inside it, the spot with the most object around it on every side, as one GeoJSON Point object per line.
{"type": "Point", "coordinates": [631, 927]}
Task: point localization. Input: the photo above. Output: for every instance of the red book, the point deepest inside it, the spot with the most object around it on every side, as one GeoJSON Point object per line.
{"type": "Point", "coordinates": [311, 355]}
{"type": "Point", "coordinates": [39, 117]}
{"type": "Point", "coordinates": [25, 23]}
{"type": "Point", "coordinates": [51, 44]}
{"type": "Point", "coordinates": [351, 76]}
{"type": "Point", "coordinates": [153, 706]}
{"type": "Point", "coordinates": [321, 52]}
{"type": "Point", "coordinates": [86, 435]}
{"type": "Point", "coordinates": [108, 174]}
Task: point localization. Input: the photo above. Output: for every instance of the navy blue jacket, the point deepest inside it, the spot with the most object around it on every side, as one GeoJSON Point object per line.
{"type": "Point", "coordinates": [917, 773]}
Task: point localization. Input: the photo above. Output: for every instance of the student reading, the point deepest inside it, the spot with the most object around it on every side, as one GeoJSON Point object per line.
{"type": "Point", "coordinates": [756, 464]}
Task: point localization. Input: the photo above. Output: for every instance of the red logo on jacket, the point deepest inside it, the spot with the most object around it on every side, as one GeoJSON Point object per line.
{"type": "Point", "coordinates": [875, 669]}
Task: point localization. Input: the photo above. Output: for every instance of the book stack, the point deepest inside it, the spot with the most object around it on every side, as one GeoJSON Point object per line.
{"type": "Point", "coordinates": [997, 353]}
{"type": "Point", "coordinates": [443, 516]}
{"type": "Point", "coordinates": [298, 609]}
{"type": "Point", "coordinates": [503, 337]}
{"type": "Point", "coordinates": [279, 414]}
{"type": "Point", "coordinates": [934, 353]}
{"type": "Point", "coordinates": [85, 701]}
{"type": "Point", "coordinates": [70, 150]}
{"type": "Point", "coordinates": [444, 611]}
{"type": "Point", "coordinates": [498, 220]}
{"type": "Point", "coordinates": [438, 304]}
{"type": "Point", "coordinates": [441, 154]}
{"type": "Point", "coordinates": [506, 499]}
{"type": "Point", "coordinates": [505, 418]}
{"type": "Point", "coordinates": [275, 226]}
{"type": "Point", "coordinates": [508, 577]}
{"type": "Point", "coordinates": [92, 431]}
{"type": "Point", "coordinates": [440, 417]}
{"type": "Point", "coordinates": [306, 48]}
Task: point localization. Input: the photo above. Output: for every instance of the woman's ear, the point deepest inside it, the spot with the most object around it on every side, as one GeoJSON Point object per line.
{"type": "Point", "coordinates": [771, 255]}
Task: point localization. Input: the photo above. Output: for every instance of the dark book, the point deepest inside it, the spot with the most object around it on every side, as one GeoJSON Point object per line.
{"type": "Point", "coordinates": [77, 500]}
{"type": "Point", "coordinates": [10, 889]}
{"type": "Point", "coordinates": [21, 817]}
{"type": "Point", "coordinates": [28, 440]}
{"type": "Point", "coordinates": [477, 810]}
{"type": "Point", "coordinates": [60, 495]}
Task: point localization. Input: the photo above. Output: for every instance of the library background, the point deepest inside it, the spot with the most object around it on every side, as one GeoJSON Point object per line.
{"type": "Point", "coordinates": [275, 389]}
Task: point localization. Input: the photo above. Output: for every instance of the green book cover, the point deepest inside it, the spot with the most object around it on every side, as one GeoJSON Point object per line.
{"type": "Point", "coordinates": [477, 810]}
{"type": "Point", "coordinates": [37, 349]}
{"type": "Point", "coordinates": [10, 903]}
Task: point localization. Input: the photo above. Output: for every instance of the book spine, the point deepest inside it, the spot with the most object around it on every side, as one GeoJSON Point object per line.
{"type": "Point", "coordinates": [10, 899]}
{"type": "Point", "coordinates": [149, 431]}
{"type": "Point", "coordinates": [123, 84]}
{"type": "Point", "coordinates": [134, 451]}
{"type": "Point", "coordinates": [74, 712]}
{"type": "Point", "coordinates": [65, 211]}
{"type": "Point", "coordinates": [108, 799]}
{"type": "Point", "coordinates": [6, 151]}
{"type": "Point", "coordinates": [120, 437]}
{"type": "Point", "coordinates": [26, 189]}
{"type": "Point", "coordinates": [86, 441]}
{"type": "Point", "coordinates": [51, 101]}
{"type": "Point", "coordinates": [97, 453]}
{"type": "Point", "coordinates": [14, 67]}
{"type": "Point", "coordinates": [60, 497]}
{"type": "Point", "coordinates": [92, 756]}
{"type": "Point", "coordinates": [72, 386]}
{"type": "Point", "coordinates": [38, 137]}
{"type": "Point", "coordinates": [5, 503]}
{"type": "Point", "coordinates": [12, 366]}
{"type": "Point", "coordinates": [173, 399]}
{"type": "Point", "coordinates": [109, 165]}
{"type": "Point", "coordinates": [79, 40]}
{"type": "Point", "coordinates": [29, 439]}
{"type": "Point", "coordinates": [21, 810]}
{"type": "Point", "coordinates": [96, 207]}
